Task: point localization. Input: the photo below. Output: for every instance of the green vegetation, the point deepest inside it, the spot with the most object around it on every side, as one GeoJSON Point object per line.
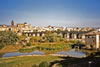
{"type": "Point", "coordinates": [49, 61]}
{"type": "Point", "coordinates": [10, 48]}
{"type": "Point", "coordinates": [35, 65]}
{"type": "Point", "coordinates": [7, 38]}
{"type": "Point", "coordinates": [49, 44]}
{"type": "Point", "coordinates": [43, 64]}
{"type": "Point", "coordinates": [78, 45]}
{"type": "Point", "coordinates": [27, 61]}
{"type": "Point", "coordinates": [52, 47]}
{"type": "Point", "coordinates": [23, 50]}
{"type": "Point", "coordinates": [28, 44]}
{"type": "Point", "coordinates": [47, 47]}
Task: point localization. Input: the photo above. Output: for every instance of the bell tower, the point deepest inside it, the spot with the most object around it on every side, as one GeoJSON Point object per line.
{"type": "Point", "coordinates": [12, 24]}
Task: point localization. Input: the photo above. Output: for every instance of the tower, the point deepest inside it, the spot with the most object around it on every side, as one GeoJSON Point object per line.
{"type": "Point", "coordinates": [12, 24]}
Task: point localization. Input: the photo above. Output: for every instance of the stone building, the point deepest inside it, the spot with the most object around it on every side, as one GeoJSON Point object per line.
{"type": "Point", "coordinates": [4, 28]}
{"type": "Point", "coordinates": [92, 40]}
{"type": "Point", "coordinates": [24, 27]}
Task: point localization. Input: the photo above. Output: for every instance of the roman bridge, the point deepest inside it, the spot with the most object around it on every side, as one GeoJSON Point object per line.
{"type": "Point", "coordinates": [35, 34]}
{"type": "Point", "coordinates": [67, 35]}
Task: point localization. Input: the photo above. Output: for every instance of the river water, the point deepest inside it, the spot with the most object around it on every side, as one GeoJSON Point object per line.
{"type": "Point", "coordinates": [71, 53]}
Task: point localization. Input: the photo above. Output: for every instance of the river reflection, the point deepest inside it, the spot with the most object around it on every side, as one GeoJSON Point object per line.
{"type": "Point", "coordinates": [71, 53]}
{"type": "Point", "coordinates": [36, 52]}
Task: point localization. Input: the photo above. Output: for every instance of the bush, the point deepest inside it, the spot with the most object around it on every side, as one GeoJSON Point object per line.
{"type": "Point", "coordinates": [43, 64]}
{"type": "Point", "coordinates": [1, 46]}
{"type": "Point", "coordinates": [8, 38]}
{"type": "Point", "coordinates": [28, 44]}
{"type": "Point", "coordinates": [26, 50]}
{"type": "Point", "coordinates": [35, 65]}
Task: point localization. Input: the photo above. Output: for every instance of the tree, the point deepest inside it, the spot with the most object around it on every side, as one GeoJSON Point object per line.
{"type": "Point", "coordinates": [48, 33]}
{"type": "Point", "coordinates": [28, 44]}
{"type": "Point", "coordinates": [8, 38]}
{"type": "Point", "coordinates": [59, 31]}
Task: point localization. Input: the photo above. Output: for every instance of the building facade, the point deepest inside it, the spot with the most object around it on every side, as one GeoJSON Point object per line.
{"type": "Point", "coordinates": [92, 40]}
{"type": "Point", "coordinates": [4, 28]}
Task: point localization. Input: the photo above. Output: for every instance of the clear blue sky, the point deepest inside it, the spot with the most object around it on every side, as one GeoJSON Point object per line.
{"type": "Point", "coordinates": [69, 13]}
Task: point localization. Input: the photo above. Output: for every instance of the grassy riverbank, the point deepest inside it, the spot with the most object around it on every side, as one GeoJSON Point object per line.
{"type": "Point", "coordinates": [48, 48]}
{"type": "Point", "coordinates": [29, 61]}
{"type": "Point", "coordinates": [26, 61]}
{"type": "Point", "coordinates": [10, 48]}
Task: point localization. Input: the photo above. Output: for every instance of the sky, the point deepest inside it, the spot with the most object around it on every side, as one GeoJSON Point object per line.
{"type": "Point", "coordinates": [67, 13]}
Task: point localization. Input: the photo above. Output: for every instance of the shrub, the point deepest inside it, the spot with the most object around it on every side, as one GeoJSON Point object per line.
{"type": "Point", "coordinates": [28, 44]}
{"type": "Point", "coordinates": [23, 50]}
{"type": "Point", "coordinates": [43, 64]}
{"type": "Point", "coordinates": [35, 65]}
{"type": "Point", "coordinates": [8, 38]}
{"type": "Point", "coordinates": [1, 46]}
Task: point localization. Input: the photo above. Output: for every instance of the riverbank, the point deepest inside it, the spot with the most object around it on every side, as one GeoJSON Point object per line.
{"type": "Point", "coordinates": [56, 55]}
{"type": "Point", "coordinates": [26, 61]}
{"type": "Point", "coordinates": [10, 48]}
{"type": "Point", "coordinates": [47, 47]}
{"type": "Point", "coordinates": [29, 61]}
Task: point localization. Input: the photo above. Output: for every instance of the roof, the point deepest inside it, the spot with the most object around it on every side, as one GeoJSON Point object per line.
{"type": "Point", "coordinates": [93, 33]}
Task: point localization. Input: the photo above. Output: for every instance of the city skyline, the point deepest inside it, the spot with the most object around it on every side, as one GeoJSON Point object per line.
{"type": "Point", "coordinates": [69, 13]}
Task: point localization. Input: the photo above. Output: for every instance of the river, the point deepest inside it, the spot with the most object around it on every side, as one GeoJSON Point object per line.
{"type": "Point", "coordinates": [71, 53]}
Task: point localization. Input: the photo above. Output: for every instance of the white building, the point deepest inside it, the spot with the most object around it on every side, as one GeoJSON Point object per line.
{"type": "Point", "coordinates": [4, 28]}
